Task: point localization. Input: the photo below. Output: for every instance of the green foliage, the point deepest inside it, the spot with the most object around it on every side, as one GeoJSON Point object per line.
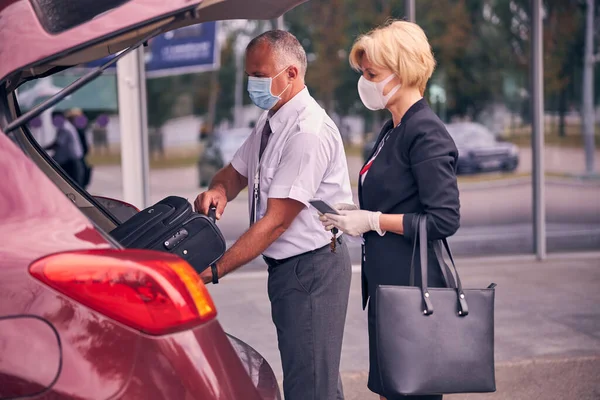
{"type": "Point", "coordinates": [481, 47]}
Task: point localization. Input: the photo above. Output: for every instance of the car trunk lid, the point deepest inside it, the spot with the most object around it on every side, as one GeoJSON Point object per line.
{"type": "Point", "coordinates": [34, 42]}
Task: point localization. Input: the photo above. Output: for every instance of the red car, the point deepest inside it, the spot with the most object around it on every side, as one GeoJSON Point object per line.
{"type": "Point", "coordinates": [81, 317]}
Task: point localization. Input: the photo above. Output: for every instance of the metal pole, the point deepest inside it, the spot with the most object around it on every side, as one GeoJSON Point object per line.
{"type": "Point", "coordinates": [409, 10]}
{"type": "Point", "coordinates": [239, 90]}
{"type": "Point", "coordinates": [280, 24]}
{"type": "Point", "coordinates": [537, 139]}
{"type": "Point", "coordinates": [131, 81]}
{"type": "Point", "coordinates": [589, 115]}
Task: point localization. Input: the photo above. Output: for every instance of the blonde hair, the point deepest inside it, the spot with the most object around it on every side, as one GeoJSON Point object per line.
{"type": "Point", "coordinates": [399, 46]}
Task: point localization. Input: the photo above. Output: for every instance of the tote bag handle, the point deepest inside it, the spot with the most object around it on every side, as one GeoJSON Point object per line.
{"type": "Point", "coordinates": [463, 309]}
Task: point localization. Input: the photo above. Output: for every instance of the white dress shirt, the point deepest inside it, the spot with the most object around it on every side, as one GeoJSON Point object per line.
{"type": "Point", "coordinates": [304, 159]}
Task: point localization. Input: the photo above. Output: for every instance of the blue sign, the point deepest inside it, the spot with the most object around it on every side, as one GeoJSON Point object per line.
{"type": "Point", "coordinates": [185, 50]}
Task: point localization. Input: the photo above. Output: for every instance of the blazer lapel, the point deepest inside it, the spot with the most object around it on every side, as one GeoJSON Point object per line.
{"type": "Point", "coordinates": [387, 126]}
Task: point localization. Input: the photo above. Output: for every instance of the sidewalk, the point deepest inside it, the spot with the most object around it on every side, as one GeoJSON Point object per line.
{"type": "Point", "coordinates": [547, 325]}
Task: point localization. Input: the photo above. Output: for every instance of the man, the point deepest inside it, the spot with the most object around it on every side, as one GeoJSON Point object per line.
{"type": "Point", "coordinates": [68, 151]}
{"type": "Point", "coordinates": [301, 157]}
{"type": "Point", "coordinates": [79, 121]}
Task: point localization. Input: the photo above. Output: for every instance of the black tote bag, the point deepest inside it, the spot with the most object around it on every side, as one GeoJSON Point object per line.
{"type": "Point", "coordinates": [422, 352]}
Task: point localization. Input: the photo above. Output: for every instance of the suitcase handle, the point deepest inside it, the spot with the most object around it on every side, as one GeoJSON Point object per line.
{"type": "Point", "coordinates": [212, 214]}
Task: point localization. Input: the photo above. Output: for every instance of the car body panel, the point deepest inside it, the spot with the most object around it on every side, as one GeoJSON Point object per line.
{"type": "Point", "coordinates": [484, 154]}
{"type": "Point", "coordinates": [36, 219]}
{"type": "Point", "coordinates": [31, 356]}
{"type": "Point", "coordinates": [218, 152]}
{"type": "Point", "coordinates": [19, 24]}
{"type": "Point", "coordinates": [121, 210]}
{"type": "Point", "coordinates": [257, 368]}
{"type": "Point", "coordinates": [99, 357]}
{"type": "Point", "coordinates": [166, 368]}
{"type": "Point", "coordinates": [480, 151]}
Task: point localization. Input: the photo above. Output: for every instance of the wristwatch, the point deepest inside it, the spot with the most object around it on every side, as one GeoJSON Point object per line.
{"type": "Point", "coordinates": [215, 273]}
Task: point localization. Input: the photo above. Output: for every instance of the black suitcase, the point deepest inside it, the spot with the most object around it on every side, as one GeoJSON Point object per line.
{"type": "Point", "coordinates": [172, 226]}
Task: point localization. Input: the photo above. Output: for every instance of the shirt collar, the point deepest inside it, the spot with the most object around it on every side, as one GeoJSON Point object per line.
{"type": "Point", "coordinates": [289, 109]}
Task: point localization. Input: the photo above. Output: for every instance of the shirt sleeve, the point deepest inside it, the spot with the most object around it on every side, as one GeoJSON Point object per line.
{"type": "Point", "coordinates": [242, 156]}
{"type": "Point", "coordinates": [304, 161]}
{"type": "Point", "coordinates": [432, 156]}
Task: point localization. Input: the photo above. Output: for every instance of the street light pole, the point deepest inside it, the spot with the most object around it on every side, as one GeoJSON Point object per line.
{"type": "Point", "coordinates": [409, 10]}
{"type": "Point", "coordinates": [131, 81]}
{"type": "Point", "coordinates": [238, 93]}
{"type": "Point", "coordinates": [589, 115]}
{"type": "Point", "coordinates": [537, 139]}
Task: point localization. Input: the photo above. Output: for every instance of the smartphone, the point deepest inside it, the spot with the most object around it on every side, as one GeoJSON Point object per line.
{"type": "Point", "coordinates": [323, 207]}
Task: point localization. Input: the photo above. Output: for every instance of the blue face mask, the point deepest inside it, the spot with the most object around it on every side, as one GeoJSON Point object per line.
{"type": "Point", "coordinates": [259, 90]}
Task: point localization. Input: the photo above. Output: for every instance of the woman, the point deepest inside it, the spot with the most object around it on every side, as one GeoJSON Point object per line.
{"type": "Point", "coordinates": [412, 168]}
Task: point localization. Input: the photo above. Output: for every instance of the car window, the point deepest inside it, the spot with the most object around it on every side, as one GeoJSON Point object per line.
{"type": "Point", "coordinates": [471, 134]}
{"type": "Point", "coordinates": [35, 146]}
{"type": "Point", "coordinates": [231, 141]}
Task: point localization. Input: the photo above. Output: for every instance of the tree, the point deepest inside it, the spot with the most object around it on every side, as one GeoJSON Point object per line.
{"type": "Point", "coordinates": [563, 42]}
{"type": "Point", "coordinates": [325, 39]}
{"type": "Point", "coordinates": [226, 85]}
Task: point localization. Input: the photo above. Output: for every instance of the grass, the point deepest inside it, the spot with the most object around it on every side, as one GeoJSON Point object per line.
{"type": "Point", "coordinates": [550, 140]}
{"type": "Point", "coordinates": [489, 177]}
{"type": "Point", "coordinates": [175, 158]}
{"type": "Point", "coordinates": [492, 177]}
{"type": "Point", "coordinates": [353, 151]}
{"type": "Point", "coordinates": [572, 138]}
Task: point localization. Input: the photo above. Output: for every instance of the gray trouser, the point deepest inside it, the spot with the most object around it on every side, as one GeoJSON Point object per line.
{"type": "Point", "coordinates": [309, 300]}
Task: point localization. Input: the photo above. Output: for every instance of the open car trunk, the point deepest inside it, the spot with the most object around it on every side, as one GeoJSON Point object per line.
{"type": "Point", "coordinates": [62, 33]}
{"type": "Point", "coordinates": [47, 36]}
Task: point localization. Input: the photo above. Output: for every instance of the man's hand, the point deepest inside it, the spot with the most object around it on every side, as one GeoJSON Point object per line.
{"type": "Point", "coordinates": [212, 197]}
{"type": "Point", "coordinates": [279, 216]}
{"type": "Point", "coordinates": [353, 222]}
{"type": "Point", "coordinates": [206, 275]}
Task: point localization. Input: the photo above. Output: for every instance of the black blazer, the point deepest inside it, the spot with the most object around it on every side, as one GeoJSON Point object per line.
{"type": "Point", "coordinates": [415, 172]}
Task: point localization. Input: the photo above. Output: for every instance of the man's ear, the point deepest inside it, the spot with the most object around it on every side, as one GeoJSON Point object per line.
{"type": "Point", "coordinates": [293, 72]}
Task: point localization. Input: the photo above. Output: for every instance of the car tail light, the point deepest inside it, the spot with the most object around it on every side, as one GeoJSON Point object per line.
{"type": "Point", "coordinates": [154, 292]}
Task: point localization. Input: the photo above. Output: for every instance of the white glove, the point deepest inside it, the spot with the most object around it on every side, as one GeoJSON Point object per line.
{"type": "Point", "coordinates": [345, 207]}
{"type": "Point", "coordinates": [354, 222]}
{"type": "Point", "coordinates": [339, 207]}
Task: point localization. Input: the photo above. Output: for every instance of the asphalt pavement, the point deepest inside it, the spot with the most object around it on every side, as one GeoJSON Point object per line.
{"type": "Point", "coordinates": [547, 315]}
{"type": "Point", "coordinates": [496, 216]}
{"type": "Point", "coordinates": [547, 325]}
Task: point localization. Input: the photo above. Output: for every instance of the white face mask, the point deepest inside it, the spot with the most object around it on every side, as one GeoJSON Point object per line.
{"type": "Point", "coordinates": [371, 93]}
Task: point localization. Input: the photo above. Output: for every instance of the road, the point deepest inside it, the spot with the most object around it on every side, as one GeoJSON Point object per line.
{"type": "Point", "coordinates": [496, 215]}
{"type": "Point", "coordinates": [547, 317]}
{"type": "Point", "coordinates": [547, 325]}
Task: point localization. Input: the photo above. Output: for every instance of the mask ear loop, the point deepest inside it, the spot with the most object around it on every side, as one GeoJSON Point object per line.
{"type": "Point", "coordinates": [392, 91]}
{"type": "Point", "coordinates": [271, 84]}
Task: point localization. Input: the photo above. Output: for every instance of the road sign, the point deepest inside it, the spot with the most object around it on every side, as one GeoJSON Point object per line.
{"type": "Point", "coordinates": [185, 50]}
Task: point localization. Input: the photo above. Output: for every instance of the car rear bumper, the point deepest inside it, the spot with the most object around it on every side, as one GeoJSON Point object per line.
{"type": "Point", "coordinates": [199, 364]}
{"type": "Point", "coordinates": [482, 164]}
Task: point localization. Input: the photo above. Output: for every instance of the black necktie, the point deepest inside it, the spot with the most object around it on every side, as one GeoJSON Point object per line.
{"type": "Point", "coordinates": [264, 139]}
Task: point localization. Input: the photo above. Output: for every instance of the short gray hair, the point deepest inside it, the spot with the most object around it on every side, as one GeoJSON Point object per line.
{"type": "Point", "coordinates": [288, 50]}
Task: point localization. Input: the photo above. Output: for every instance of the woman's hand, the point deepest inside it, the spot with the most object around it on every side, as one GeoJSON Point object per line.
{"type": "Point", "coordinates": [339, 207]}
{"type": "Point", "coordinates": [353, 222]}
{"type": "Point", "coordinates": [345, 207]}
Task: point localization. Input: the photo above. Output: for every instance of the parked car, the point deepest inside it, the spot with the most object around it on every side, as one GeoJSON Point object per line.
{"type": "Point", "coordinates": [80, 316]}
{"type": "Point", "coordinates": [480, 151]}
{"type": "Point", "coordinates": [219, 151]}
